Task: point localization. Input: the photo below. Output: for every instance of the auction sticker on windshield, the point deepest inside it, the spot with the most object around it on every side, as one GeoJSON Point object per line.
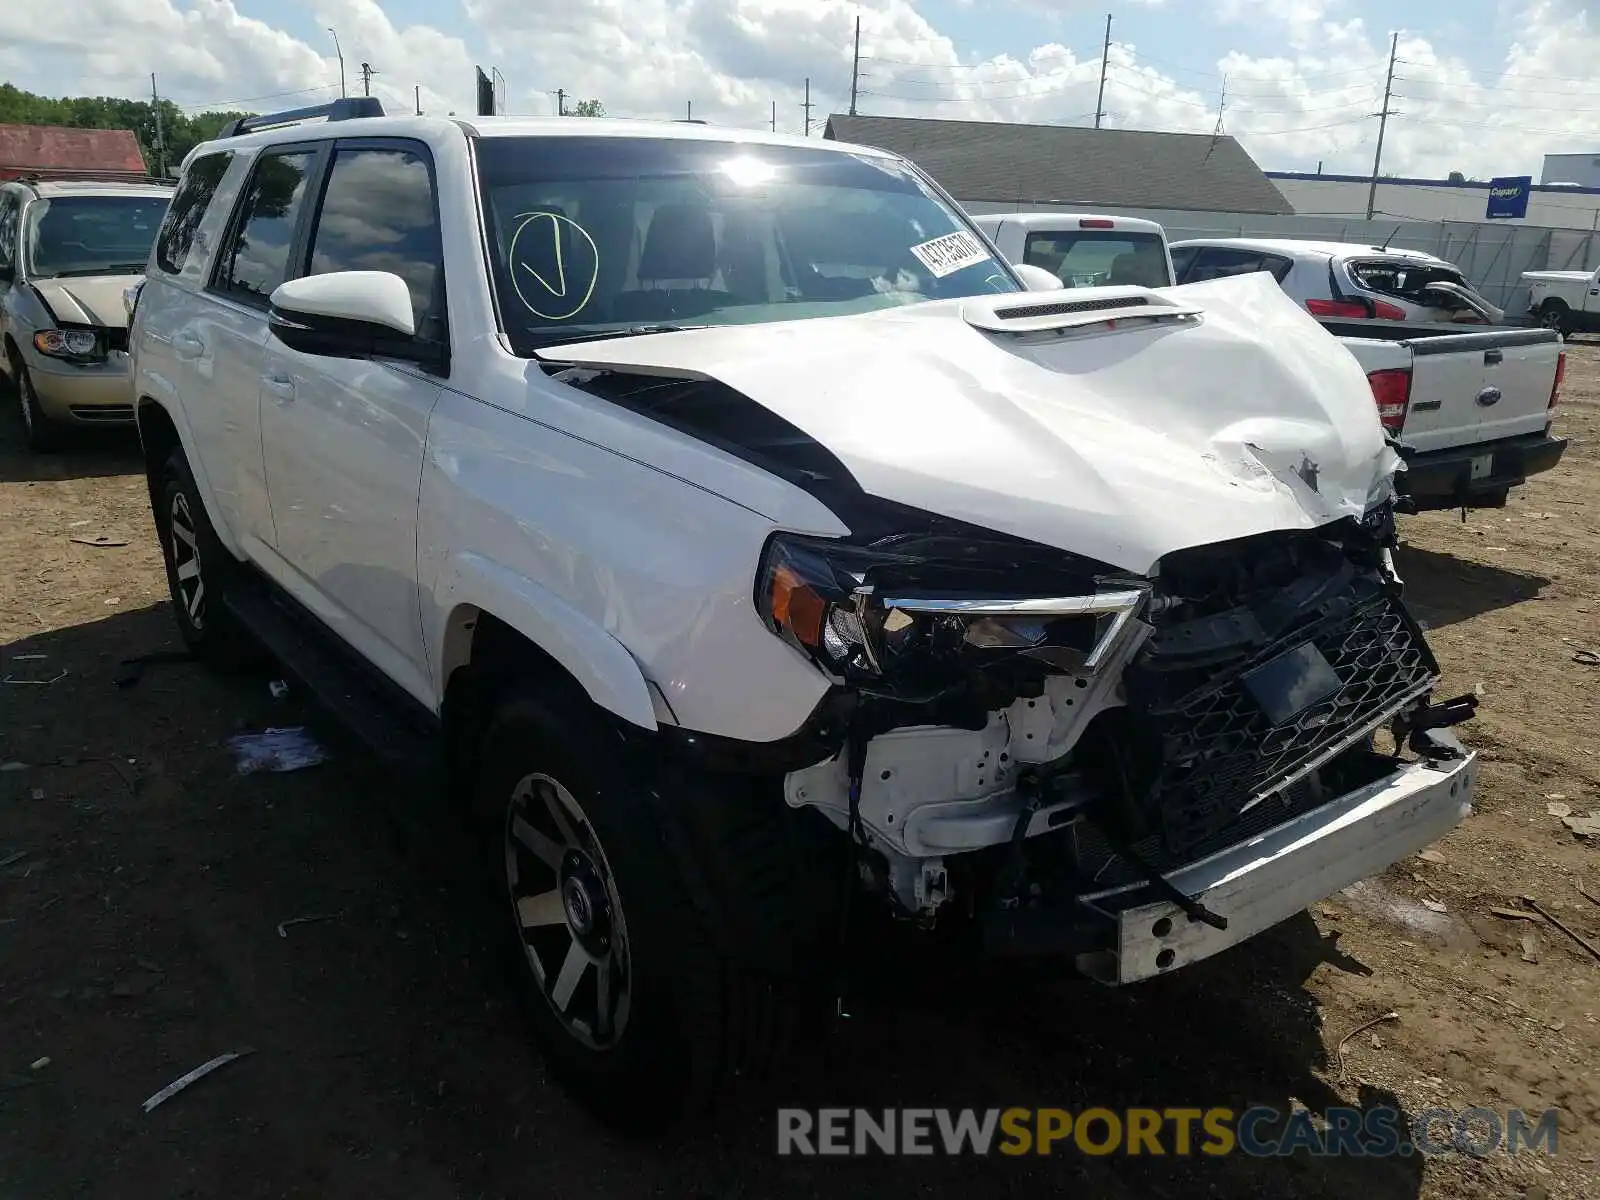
{"type": "Point", "coordinates": [948, 254]}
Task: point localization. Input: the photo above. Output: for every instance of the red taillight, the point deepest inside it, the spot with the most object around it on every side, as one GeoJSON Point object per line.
{"type": "Point", "coordinates": [1555, 388]}
{"type": "Point", "coordinates": [1095, 223]}
{"type": "Point", "coordinates": [1391, 391]}
{"type": "Point", "coordinates": [1337, 308]}
{"type": "Point", "coordinates": [1385, 311]}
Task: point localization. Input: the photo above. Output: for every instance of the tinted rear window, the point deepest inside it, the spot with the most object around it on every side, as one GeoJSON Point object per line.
{"type": "Point", "coordinates": [1093, 257]}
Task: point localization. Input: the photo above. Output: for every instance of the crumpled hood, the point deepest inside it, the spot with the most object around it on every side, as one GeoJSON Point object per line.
{"type": "Point", "coordinates": [87, 299]}
{"type": "Point", "coordinates": [1122, 444]}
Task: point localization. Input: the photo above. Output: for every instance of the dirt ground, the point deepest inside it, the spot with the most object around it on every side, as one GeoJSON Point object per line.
{"type": "Point", "coordinates": [142, 881]}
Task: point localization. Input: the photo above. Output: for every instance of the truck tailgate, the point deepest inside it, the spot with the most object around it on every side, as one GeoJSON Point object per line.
{"type": "Point", "coordinates": [1479, 387]}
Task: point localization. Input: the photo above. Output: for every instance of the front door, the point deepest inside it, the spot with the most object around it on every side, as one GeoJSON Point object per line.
{"type": "Point", "coordinates": [343, 438]}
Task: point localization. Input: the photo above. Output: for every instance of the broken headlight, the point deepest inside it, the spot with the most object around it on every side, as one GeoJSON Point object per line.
{"type": "Point", "coordinates": [896, 613]}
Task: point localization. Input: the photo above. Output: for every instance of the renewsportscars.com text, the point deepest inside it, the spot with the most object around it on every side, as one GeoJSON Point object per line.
{"type": "Point", "coordinates": [1259, 1132]}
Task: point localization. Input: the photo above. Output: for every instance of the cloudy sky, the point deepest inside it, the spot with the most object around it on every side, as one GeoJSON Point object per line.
{"type": "Point", "coordinates": [1483, 86]}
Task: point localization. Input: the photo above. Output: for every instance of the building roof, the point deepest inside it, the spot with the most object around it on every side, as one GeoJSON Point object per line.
{"type": "Point", "coordinates": [61, 151]}
{"type": "Point", "coordinates": [1003, 163]}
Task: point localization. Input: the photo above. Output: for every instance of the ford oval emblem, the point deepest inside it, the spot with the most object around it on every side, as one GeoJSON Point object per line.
{"type": "Point", "coordinates": [1489, 395]}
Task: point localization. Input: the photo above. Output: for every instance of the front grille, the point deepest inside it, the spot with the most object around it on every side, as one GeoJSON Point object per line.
{"type": "Point", "coordinates": [1061, 307]}
{"type": "Point", "coordinates": [1219, 751]}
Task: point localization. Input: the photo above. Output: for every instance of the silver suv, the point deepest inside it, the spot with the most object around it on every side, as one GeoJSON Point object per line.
{"type": "Point", "coordinates": [68, 251]}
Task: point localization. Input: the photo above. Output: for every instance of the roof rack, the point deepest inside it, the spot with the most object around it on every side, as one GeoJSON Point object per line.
{"type": "Point", "coordinates": [86, 175]}
{"type": "Point", "coordinates": [347, 109]}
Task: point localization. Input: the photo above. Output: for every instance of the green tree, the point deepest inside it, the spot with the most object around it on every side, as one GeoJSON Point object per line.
{"type": "Point", "coordinates": [587, 108]}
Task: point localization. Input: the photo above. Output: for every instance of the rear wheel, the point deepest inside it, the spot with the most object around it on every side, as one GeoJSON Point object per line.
{"type": "Point", "coordinates": [199, 569]}
{"type": "Point", "coordinates": [1554, 314]}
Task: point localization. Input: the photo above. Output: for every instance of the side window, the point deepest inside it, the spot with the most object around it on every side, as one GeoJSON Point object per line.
{"type": "Point", "coordinates": [1278, 265]}
{"type": "Point", "coordinates": [1182, 260]}
{"type": "Point", "coordinates": [188, 208]}
{"type": "Point", "coordinates": [256, 259]}
{"type": "Point", "coordinates": [379, 213]}
{"type": "Point", "coordinates": [10, 210]}
{"type": "Point", "coordinates": [1218, 262]}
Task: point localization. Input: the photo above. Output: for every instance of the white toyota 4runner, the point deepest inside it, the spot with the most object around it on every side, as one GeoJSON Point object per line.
{"type": "Point", "coordinates": [768, 562]}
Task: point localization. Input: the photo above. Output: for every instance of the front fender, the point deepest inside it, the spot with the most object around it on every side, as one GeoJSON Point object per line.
{"type": "Point", "coordinates": [600, 663]}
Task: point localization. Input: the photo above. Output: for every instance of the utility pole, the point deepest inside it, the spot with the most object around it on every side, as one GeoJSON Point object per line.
{"type": "Point", "coordinates": [419, 99]}
{"type": "Point", "coordinates": [1383, 123]}
{"type": "Point", "coordinates": [561, 102]}
{"type": "Point", "coordinates": [1105, 62]}
{"type": "Point", "coordinates": [337, 49]}
{"type": "Point", "coordinates": [161, 142]}
{"type": "Point", "coordinates": [807, 106]}
{"type": "Point", "coordinates": [775, 126]}
{"type": "Point", "coordinates": [367, 73]}
{"type": "Point", "coordinates": [855, 70]}
{"type": "Point", "coordinates": [688, 110]}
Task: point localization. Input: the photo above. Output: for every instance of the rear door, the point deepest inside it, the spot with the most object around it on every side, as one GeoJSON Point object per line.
{"type": "Point", "coordinates": [1479, 387]}
{"type": "Point", "coordinates": [219, 346]}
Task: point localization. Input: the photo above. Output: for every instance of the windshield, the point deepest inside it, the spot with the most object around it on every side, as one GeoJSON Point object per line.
{"type": "Point", "coordinates": [91, 235]}
{"type": "Point", "coordinates": [1095, 257]}
{"type": "Point", "coordinates": [589, 235]}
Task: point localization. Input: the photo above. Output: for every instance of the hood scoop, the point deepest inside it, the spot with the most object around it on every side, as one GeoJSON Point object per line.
{"type": "Point", "coordinates": [1076, 308]}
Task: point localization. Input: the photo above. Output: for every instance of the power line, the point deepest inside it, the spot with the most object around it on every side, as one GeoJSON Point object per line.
{"type": "Point", "coordinates": [220, 105]}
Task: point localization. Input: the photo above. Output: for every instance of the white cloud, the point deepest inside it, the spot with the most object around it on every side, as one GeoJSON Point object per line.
{"type": "Point", "coordinates": [1310, 102]}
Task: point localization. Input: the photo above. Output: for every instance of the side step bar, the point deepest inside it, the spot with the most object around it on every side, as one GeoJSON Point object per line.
{"type": "Point", "coordinates": [400, 732]}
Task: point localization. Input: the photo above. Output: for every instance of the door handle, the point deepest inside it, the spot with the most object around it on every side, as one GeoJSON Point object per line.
{"type": "Point", "coordinates": [1493, 358]}
{"type": "Point", "coordinates": [281, 386]}
{"type": "Point", "coordinates": [187, 345]}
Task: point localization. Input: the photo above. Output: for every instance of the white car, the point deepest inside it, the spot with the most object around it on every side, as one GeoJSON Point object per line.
{"type": "Point", "coordinates": [764, 561]}
{"type": "Point", "coordinates": [1341, 279]}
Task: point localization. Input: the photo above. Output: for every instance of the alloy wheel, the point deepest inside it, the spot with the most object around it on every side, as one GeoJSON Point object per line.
{"type": "Point", "coordinates": [1551, 319]}
{"type": "Point", "coordinates": [565, 903]}
{"type": "Point", "coordinates": [191, 585]}
{"type": "Point", "coordinates": [25, 397]}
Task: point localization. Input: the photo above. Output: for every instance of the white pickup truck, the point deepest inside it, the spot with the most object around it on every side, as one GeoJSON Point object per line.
{"type": "Point", "coordinates": [1470, 412]}
{"type": "Point", "coordinates": [765, 560]}
{"type": "Point", "coordinates": [1566, 301]}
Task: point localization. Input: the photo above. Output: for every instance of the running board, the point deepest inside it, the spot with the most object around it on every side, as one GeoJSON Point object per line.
{"type": "Point", "coordinates": [398, 730]}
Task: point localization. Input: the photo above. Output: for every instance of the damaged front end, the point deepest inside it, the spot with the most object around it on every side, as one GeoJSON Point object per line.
{"type": "Point", "coordinates": [1038, 745]}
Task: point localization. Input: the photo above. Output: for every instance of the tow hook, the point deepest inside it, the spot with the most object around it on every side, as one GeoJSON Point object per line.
{"type": "Point", "coordinates": [1427, 725]}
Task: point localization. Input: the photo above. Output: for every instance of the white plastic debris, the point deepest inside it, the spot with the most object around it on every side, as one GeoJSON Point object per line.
{"type": "Point", "coordinates": [286, 749]}
{"type": "Point", "coordinates": [278, 688]}
{"type": "Point", "coordinates": [200, 1072]}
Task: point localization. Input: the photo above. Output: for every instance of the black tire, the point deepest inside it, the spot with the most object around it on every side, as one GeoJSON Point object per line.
{"type": "Point", "coordinates": [199, 571]}
{"type": "Point", "coordinates": [1554, 314]}
{"type": "Point", "coordinates": [686, 1013]}
{"type": "Point", "coordinates": [42, 433]}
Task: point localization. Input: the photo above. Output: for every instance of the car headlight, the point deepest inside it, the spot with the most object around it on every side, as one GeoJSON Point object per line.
{"type": "Point", "coordinates": [920, 620]}
{"type": "Point", "coordinates": [82, 344]}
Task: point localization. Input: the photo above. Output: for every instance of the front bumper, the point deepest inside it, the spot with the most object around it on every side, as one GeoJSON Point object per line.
{"type": "Point", "coordinates": [1450, 478]}
{"type": "Point", "coordinates": [84, 393]}
{"type": "Point", "coordinates": [1271, 877]}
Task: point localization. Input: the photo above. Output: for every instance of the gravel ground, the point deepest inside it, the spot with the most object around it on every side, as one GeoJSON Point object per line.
{"type": "Point", "coordinates": [143, 880]}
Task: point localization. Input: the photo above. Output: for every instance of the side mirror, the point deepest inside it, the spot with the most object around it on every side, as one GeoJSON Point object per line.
{"type": "Point", "coordinates": [350, 314]}
{"type": "Point", "coordinates": [1037, 278]}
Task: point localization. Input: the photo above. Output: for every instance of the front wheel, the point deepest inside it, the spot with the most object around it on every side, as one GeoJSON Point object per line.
{"type": "Point", "coordinates": [43, 432]}
{"type": "Point", "coordinates": [638, 1013]}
